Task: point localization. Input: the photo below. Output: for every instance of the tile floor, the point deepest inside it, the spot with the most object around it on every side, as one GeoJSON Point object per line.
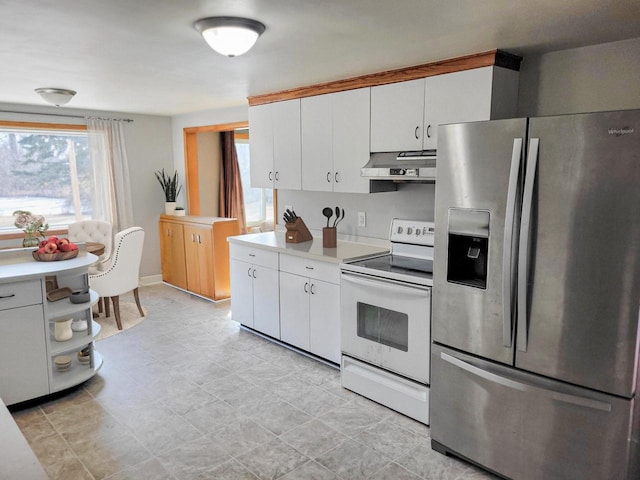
{"type": "Point", "coordinates": [189, 395]}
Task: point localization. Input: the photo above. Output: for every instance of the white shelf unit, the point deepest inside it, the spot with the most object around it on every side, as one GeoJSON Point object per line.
{"type": "Point", "coordinates": [77, 373]}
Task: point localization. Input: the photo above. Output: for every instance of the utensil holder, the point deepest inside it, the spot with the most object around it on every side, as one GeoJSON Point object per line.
{"type": "Point", "coordinates": [329, 237]}
{"type": "Point", "coordinates": [297, 232]}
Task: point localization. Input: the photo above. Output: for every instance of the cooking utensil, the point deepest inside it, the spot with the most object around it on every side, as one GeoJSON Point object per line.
{"type": "Point", "coordinates": [337, 217]}
{"type": "Point", "coordinates": [341, 218]}
{"type": "Point", "coordinates": [327, 212]}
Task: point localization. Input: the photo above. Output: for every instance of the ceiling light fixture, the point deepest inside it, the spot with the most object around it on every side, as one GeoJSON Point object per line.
{"type": "Point", "coordinates": [230, 36]}
{"type": "Point", "coordinates": [56, 96]}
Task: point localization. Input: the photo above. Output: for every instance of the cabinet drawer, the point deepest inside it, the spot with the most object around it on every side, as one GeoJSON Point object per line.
{"type": "Point", "coordinates": [256, 256]}
{"type": "Point", "coordinates": [20, 294]}
{"type": "Point", "coordinates": [327, 271]}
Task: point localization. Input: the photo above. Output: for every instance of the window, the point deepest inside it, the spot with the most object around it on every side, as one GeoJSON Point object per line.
{"type": "Point", "coordinates": [258, 202]}
{"type": "Point", "coordinates": [45, 169]}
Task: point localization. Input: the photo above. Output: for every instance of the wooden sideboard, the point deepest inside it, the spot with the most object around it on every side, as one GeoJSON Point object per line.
{"type": "Point", "coordinates": [195, 253]}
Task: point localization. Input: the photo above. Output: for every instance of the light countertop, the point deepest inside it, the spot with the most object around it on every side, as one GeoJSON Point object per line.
{"type": "Point", "coordinates": [344, 251]}
{"type": "Point", "coordinates": [16, 457]}
{"type": "Point", "coordinates": [18, 265]}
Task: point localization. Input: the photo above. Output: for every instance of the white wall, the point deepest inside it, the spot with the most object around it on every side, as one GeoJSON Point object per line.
{"type": "Point", "coordinates": [589, 79]}
{"type": "Point", "coordinates": [148, 143]}
{"type": "Point", "coordinates": [199, 119]}
{"type": "Point", "coordinates": [209, 172]}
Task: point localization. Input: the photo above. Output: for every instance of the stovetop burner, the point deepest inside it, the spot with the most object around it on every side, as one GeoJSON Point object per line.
{"type": "Point", "coordinates": [411, 257]}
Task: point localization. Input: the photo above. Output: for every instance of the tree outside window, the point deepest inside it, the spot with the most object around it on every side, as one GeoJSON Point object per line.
{"type": "Point", "coordinates": [45, 171]}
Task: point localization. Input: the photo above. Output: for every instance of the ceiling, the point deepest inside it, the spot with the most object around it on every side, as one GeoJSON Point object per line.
{"type": "Point", "coordinates": [144, 56]}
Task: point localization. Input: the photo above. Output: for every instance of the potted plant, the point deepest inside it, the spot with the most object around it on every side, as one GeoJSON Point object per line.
{"type": "Point", "coordinates": [179, 211]}
{"type": "Point", "coordinates": [171, 189]}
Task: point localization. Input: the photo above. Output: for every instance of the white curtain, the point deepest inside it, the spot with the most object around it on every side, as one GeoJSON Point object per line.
{"type": "Point", "coordinates": [112, 191]}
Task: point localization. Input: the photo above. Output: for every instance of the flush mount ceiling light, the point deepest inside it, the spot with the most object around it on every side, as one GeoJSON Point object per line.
{"type": "Point", "coordinates": [56, 96]}
{"type": "Point", "coordinates": [230, 36]}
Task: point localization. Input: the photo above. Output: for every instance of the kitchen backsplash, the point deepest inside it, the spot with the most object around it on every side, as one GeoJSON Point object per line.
{"type": "Point", "coordinates": [411, 201]}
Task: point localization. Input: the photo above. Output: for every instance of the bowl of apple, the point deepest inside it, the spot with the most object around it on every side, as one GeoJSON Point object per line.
{"type": "Point", "coordinates": [54, 248]}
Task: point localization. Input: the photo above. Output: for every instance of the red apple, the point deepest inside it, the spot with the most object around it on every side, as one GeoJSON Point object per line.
{"type": "Point", "coordinates": [72, 246]}
{"type": "Point", "coordinates": [52, 238]}
{"type": "Point", "coordinates": [42, 243]}
{"type": "Point", "coordinates": [65, 247]}
{"type": "Point", "coordinates": [51, 248]}
{"type": "Point", "coordinates": [41, 250]}
{"type": "Point", "coordinates": [62, 241]}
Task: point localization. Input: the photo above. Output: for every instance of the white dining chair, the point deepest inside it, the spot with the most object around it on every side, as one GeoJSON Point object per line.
{"type": "Point", "coordinates": [94, 231]}
{"type": "Point", "coordinates": [121, 275]}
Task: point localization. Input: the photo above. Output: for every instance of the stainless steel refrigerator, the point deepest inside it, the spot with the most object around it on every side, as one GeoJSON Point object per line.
{"type": "Point", "coordinates": [536, 296]}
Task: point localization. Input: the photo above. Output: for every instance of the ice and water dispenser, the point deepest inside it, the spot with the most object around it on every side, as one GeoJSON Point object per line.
{"type": "Point", "coordinates": [468, 247]}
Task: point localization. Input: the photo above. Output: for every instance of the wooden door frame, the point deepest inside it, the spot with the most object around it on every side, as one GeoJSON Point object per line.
{"type": "Point", "coordinates": [190, 135]}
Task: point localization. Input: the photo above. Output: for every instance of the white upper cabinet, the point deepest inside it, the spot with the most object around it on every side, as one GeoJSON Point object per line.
{"type": "Point", "coordinates": [275, 145]}
{"type": "Point", "coordinates": [320, 143]}
{"type": "Point", "coordinates": [397, 114]}
{"type": "Point", "coordinates": [317, 140]}
{"type": "Point", "coordinates": [406, 115]}
{"type": "Point", "coordinates": [261, 145]}
{"type": "Point", "coordinates": [472, 95]}
{"type": "Point", "coordinates": [335, 141]}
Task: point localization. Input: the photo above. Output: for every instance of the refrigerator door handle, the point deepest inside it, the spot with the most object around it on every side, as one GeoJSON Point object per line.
{"type": "Point", "coordinates": [523, 248]}
{"type": "Point", "coordinates": [526, 387]}
{"type": "Point", "coordinates": [507, 252]}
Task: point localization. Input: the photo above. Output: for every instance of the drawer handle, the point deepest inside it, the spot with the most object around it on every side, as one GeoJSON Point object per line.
{"type": "Point", "coordinates": [7, 296]}
{"type": "Point", "coordinates": [252, 254]}
{"type": "Point", "coordinates": [309, 268]}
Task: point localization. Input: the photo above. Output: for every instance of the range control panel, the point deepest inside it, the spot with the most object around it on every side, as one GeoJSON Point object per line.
{"type": "Point", "coordinates": [416, 232]}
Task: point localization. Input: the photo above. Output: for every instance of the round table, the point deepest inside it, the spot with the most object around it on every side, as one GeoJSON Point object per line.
{"type": "Point", "coordinates": [95, 248]}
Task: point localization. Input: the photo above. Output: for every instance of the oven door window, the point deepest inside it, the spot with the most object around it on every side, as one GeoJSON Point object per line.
{"type": "Point", "coordinates": [383, 326]}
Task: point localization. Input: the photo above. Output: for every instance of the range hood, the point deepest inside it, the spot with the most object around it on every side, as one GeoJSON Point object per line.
{"type": "Point", "coordinates": [416, 166]}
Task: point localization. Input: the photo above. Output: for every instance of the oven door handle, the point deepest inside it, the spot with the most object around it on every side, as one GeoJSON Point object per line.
{"type": "Point", "coordinates": [368, 281]}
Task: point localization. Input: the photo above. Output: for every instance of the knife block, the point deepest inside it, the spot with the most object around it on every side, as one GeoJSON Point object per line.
{"type": "Point", "coordinates": [297, 232]}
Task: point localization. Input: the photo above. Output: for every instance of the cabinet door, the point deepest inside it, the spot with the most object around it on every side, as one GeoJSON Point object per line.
{"type": "Point", "coordinates": [191, 259]}
{"type": "Point", "coordinates": [317, 165]}
{"type": "Point", "coordinates": [455, 98]}
{"type": "Point", "coordinates": [351, 121]}
{"type": "Point", "coordinates": [202, 270]}
{"type": "Point", "coordinates": [294, 310]}
{"type": "Point", "coordinates": [286, 145]}
{"type": "Point", "coordinates": [172, 254]}
{"type": "Point", "coordinates": [397, 116]}
{"type": "Point", "coordinates": [261, 145]}
{"type": "Point", "coordinates": [324, 320]}
{"type": "Point", "coordinates": [241, 292]}
{"type": "Point", "coordinates": [266, 305]}
{"type": "Point", "coordinates": [23, 355]}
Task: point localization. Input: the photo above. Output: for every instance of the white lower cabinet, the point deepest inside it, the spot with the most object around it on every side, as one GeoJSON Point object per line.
{"type": "Point", "coordinates": [310, 306]}
{"type": "Point", "coordinates": [254, 289]}
{"type": "Point", "coordinates": [28, 347]}
{"type": "Point", "coordinates": [23, 355]}
{"type": "Point", "coordinates": [291, 298]}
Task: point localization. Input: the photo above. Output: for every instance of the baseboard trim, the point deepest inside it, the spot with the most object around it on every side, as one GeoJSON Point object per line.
{"type": "Point", "coordinates": [150, 280]}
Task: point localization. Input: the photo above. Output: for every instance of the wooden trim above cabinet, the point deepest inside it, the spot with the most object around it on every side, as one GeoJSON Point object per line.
{"type": "Point", "coordinates": [468, 62]}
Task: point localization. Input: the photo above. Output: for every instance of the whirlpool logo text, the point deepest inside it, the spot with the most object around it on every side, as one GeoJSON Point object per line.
{"type": "Point", "coordinates": [618, 132]}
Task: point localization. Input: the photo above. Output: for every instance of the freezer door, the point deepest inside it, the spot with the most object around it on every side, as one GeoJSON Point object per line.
{"type": "Point", "coordinates": [526, 427]}
{"type": "Point", "coordinates": [579, 265]}
{"type": "Point", "coordinates": [477, 205]}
